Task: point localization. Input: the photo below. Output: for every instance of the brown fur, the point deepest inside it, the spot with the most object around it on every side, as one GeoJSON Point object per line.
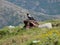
{"type": "Point", "coordinates": [28, 23]}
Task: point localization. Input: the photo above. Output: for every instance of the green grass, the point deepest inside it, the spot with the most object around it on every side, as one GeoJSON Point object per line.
{"type": "Point", "coordinates": [20, 36]}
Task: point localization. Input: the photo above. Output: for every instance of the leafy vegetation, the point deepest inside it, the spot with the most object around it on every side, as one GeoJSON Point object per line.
{"type": "Point", "coordinates": [20, 36]}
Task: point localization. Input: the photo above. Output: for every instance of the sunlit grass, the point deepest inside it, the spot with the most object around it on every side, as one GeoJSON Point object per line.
{"type": "Point", "coordinates": [20, 36]}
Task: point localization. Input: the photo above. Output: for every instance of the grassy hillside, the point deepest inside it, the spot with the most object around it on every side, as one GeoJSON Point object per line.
{"type": "Point", "coordinates": [20, 36]}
